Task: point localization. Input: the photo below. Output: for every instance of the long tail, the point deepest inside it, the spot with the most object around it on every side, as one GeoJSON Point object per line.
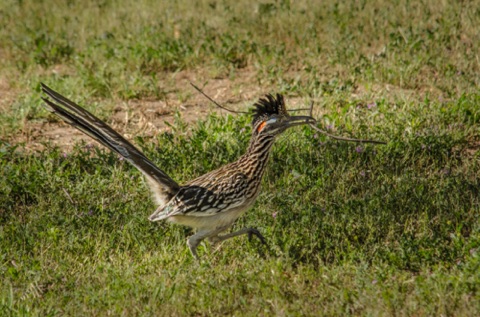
{"type": "Point", "coordinates": [163, 186]}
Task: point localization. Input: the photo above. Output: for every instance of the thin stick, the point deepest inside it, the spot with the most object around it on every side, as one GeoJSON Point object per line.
{"type": "Point", "coordinates": [214, 102]}
{"type": "Point", "coordinates": [346, 139]}
{"type": "Point", "coordinates": [299, 109]}
{"type": "Point", "coordinates": [311, 112]}
{"type": "Point", "coordinates": [225, 108]}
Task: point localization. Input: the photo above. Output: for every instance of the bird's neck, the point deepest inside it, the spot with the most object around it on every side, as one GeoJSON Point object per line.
{"type": "Point", "coordinates": [256, 157]}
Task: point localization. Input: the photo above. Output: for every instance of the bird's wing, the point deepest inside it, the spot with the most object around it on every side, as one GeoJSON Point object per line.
{"type": "Point", "coordinates": [163, 187]}
{"type": "Point", "coordinates": [211, 194]}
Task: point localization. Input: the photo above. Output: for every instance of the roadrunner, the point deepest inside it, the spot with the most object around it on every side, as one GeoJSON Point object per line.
{"type": "Point", "coordinates": [212, 202]}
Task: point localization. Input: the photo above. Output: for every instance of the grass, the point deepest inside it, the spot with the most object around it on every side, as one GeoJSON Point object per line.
{"type": "Point", "coordinates": [353, 229]}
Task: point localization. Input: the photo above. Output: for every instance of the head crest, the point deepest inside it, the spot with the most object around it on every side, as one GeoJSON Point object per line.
{"type": "Point", "coordinates": [267, 106]}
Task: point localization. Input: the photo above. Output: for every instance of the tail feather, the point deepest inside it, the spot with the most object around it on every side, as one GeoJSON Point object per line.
{"type": "Point", "coordinates": [162, 185]}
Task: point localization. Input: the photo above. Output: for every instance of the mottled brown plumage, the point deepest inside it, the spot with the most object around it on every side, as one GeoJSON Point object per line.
{"type": "Point", "coordinates": [212, 202]}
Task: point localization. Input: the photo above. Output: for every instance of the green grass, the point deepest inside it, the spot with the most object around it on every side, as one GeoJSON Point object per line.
{"type": "Point", "coordinates": [389, 230]}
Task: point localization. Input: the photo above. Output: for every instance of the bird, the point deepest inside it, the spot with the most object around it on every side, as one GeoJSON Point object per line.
{"type": "Point", "coordinates": [210, 203]}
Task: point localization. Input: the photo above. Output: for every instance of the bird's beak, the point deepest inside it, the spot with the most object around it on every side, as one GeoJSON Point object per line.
{"type": "Point", "coordinates": [299, 120]}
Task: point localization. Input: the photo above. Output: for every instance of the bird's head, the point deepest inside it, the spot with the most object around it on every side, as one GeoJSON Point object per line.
{"type": "Point", "coordinates": [270, 117]}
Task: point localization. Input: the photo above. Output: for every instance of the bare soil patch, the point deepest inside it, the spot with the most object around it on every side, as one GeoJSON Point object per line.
{"type": "Point", "coordinates": [7, 94]}
{"type": "Point", "coordinates": [150, 117]}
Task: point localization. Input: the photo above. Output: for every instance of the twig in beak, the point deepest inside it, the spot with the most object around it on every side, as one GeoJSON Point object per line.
{"type": "Point", "coordinates": [311, 124]}
{"type": "Point", "coordinates": [214, 102]}
{"type": "Point", "coordinates": [346, 139]}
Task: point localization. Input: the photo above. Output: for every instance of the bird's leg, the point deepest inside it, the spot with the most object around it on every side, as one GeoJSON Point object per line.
{"type": "Point", "coordinates": [249, 231]}
{"type": "Point", "coordinates": [214, 239]}
{"type": "Point", "coordinates": [195, 240]}
{"type": "Point", "coordinates": [253, 231]}
{"type": "Point", "coordinates": [193, 244]}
